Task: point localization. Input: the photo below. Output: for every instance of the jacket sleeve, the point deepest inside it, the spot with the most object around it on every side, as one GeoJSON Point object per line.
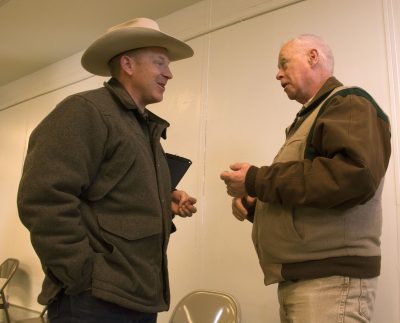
{"type": "Point", "coordinates": [64, 153]}
{"type": "Point", "coordinates": [351, 143]}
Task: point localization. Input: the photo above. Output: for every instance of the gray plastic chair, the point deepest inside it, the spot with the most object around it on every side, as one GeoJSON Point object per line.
{"type": "Point", "coordinates": [7, 271]}
{"type": "Point", "coordinates": [204, 306]}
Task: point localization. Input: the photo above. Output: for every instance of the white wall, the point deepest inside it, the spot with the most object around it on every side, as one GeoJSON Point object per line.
{"type": "Point", "coordinates": [224, 106]}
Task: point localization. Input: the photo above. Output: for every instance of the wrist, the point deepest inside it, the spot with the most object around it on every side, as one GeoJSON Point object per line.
{"type": "Point", "coordinates": [250, 181]}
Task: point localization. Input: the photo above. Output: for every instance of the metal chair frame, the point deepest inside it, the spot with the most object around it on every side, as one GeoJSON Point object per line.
{"type": "Point", "coordinates": [7, 270]}
{"type": "Point", "coordinates": [41, 319]}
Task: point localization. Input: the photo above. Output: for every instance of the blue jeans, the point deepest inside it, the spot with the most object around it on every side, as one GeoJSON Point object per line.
{"type": "Point", "coordinates": [334, 299]}
{"type": "Point", "coordinates": [84, 308]}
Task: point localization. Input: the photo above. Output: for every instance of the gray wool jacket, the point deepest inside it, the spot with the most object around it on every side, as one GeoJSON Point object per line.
{"type": "Point", "coordinates": [95, 195]}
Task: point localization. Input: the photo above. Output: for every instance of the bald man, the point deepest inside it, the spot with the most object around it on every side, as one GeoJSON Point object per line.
{"type": "Point", "coordinates": [316, 210]}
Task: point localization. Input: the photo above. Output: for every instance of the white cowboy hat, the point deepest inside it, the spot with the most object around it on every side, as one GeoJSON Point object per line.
{"type": "Point", "coordinates": [136, 33]}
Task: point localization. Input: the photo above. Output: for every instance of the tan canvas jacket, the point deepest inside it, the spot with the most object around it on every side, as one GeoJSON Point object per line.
{"type": "Point", "coordinates": [318, 211]}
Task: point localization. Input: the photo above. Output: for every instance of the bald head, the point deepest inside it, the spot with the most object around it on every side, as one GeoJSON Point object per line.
{"type": "Point", "coordinates": [309, 42]}
{"type": "Point", "coordinates": [304, 64]}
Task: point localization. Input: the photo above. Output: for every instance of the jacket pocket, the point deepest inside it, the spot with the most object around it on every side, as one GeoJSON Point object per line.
{"type": "Point", "coordinates": [112, 170]}
{"type": "Point", "coordinates": [274, 233]}
{"type": "Point", "coordinates": [131, 227]}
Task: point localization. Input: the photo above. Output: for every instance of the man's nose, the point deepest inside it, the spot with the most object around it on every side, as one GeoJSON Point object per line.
{"type": "Point", "coordinates": [279, 75]}
{"type": "Point", "coordinates": [167, 73]}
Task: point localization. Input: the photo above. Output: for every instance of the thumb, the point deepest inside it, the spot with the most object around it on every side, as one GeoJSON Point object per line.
{"type": "Point", "coordinates": [236, 166]}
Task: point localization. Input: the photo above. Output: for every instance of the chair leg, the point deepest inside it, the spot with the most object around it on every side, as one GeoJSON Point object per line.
{"type": "Point", "coordinates": [5, 307]}
{"type": "Point", "coordinates": [7, 315]}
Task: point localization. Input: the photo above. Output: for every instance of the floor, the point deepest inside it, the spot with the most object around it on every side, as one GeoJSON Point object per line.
{"type": "Point", "coordinates": [18, 313]}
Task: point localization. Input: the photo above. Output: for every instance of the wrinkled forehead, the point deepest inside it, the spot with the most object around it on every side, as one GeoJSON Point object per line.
{"type": "Point", "coordinates": [287, 49]}
{"type": "Point", "coordinates": [290, 49]}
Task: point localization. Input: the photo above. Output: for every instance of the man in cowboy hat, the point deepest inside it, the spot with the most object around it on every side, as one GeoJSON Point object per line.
{"type": "Point", "coordinates": [95, 192]}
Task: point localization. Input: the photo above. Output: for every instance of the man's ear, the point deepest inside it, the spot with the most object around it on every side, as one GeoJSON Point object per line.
{"type": "Point", "coordinates": [313, 57]}
{"type": "Point", "coordinates": [127, 64]}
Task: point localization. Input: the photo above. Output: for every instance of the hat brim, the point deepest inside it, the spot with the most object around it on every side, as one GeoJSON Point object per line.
{"type": "Point", "coordinates": [95, 59]}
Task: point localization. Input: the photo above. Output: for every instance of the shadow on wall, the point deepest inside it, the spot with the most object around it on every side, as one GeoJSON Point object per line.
{"type": "Point", "coordinates": [21, 287]}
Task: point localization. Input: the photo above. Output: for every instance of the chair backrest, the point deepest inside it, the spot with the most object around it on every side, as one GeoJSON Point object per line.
{"type": "Point", "coordinates": [7, 270]}
{"type": "Point", "coordinates": [205, 306]}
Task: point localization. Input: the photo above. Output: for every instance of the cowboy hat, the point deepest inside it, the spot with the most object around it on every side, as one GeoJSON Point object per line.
{"type": "Point", "coordinates": [133, 34]}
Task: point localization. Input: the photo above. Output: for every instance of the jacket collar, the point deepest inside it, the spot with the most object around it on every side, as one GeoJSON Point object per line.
{"type": "Point", "coordinates": [126, 101]}
{"type": "Point", "coordinates": [329, 85]}
{"type": "Point", "coordinates": [119, 92]}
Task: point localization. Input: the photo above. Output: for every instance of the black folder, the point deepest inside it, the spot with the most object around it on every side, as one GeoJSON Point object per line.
{"type": "Point", "coordinates": [177, 167]}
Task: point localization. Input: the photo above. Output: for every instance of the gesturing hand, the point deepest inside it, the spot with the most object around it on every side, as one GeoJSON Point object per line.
{"type": "Point", "coordinates": [235, 179]}
{"type": "Point", "coordinates": [183, 204]}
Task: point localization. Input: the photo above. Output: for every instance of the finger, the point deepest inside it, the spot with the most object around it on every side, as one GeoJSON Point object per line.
{"type": "Point", "coordinates": [184, 195]}
{"type": "Point", "coordinates": [232, 192]}
{"type": "Point", "coordinates": [189, 206]}
{"type": "Point", "coordinates": [239, 206]}
{"type": "Point", "coordinates": [188, 209]}
{"type": "Point", "coordinates": [225, 176]}
{"type": "Point", "coordinates": [250, 200]}
{"type": "Point", "coordinates": [191, 209]}
{"type": "Point", "coordinates": [183, 199]}
{"type": "Point", "coordinates": [238, 216]}
{"type": "Point", "coordinates": [181, 212]}
{"type": "Point", "coordinates": [192, 200]}
{"type": "Point", "coordinates": [186, 213]}
{"type": "Point", "coordinates": [238, 209]}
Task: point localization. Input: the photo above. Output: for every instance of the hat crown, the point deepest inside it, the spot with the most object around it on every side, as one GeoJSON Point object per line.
{"type": "Point", "coordinates": [137, 22]}
{"type": "Point", "coordinates": [132, 34]}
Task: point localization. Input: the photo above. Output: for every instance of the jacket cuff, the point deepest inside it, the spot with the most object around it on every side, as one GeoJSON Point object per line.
{"type": "Point", "coordinates": [250, 181]}
{"type": "Point", "coordinates": [250, 209]}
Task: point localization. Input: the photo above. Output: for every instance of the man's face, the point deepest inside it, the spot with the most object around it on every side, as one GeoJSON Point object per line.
{"type": "Point", "coordinates": [150, 75]}
{"type": "Point", "coordinates": [294, 72]}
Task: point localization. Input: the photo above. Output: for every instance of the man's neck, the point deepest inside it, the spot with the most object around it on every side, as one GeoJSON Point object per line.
{"type": "Point", "coordinates": [315, 89]}
{"type": "Point", "coordinates": [133, 96]}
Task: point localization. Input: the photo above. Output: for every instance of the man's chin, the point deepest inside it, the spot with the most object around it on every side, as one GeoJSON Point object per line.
{"type": "Point", "coordinates": [290, 95]}
{"type": "Point", "coordinates": [156, 100]}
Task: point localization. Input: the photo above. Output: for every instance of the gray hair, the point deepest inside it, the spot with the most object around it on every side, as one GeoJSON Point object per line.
{"type": "Point", "coordinates": [325, 52]}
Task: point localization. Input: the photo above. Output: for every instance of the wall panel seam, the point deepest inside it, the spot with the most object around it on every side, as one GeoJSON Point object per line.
{"type": "Point", "coordinates": [392, 37]}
